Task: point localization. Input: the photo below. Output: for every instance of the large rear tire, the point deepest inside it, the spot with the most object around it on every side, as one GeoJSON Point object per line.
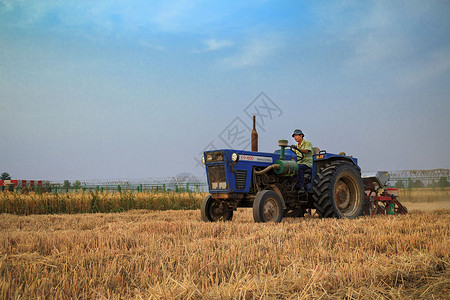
{"type": "Point", "coordinates": [213, 210]}
{"type": "Point", "coordinates": [338, 191]}
{"type": "Point", "coordinates": [267, 207]}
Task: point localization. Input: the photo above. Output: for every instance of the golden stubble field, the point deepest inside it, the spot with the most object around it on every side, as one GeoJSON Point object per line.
{"type": "Point", "coordinates": [144, 254]}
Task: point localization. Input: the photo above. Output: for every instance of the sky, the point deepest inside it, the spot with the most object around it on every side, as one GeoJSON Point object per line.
{"type": "Point", "coordinates": [139, 89]}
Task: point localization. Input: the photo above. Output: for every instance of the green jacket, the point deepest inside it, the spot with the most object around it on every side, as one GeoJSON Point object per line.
{"type": "Point", "coordinates": [306, 159]}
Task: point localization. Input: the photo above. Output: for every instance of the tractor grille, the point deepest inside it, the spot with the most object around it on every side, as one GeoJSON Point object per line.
{"type": "Point", "coordinates": [216, 176]}
{"type": "Point", "coordinates": [241, 179]}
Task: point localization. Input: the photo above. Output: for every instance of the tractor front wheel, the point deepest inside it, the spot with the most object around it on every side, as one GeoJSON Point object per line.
{"type": "Point", "coordinates": [214, 210]}
{"type": "Point", "coordinates": [267, 207]}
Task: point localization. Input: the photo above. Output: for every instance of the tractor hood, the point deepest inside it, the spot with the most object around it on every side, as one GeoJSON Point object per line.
{"type": "Point", "coordinates": [229, 171]}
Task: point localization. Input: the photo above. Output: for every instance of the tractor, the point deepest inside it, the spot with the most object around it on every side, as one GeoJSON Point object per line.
{"type": "Point", "coordinates": [266, 182]}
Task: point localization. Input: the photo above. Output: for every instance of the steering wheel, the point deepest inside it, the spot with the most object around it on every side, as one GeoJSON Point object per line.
{"type": "Point", "coordinates": [301, 153]}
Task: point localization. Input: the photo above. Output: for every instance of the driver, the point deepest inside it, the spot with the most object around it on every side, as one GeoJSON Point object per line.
{"type": "Point", "coordinates": [304, 152]}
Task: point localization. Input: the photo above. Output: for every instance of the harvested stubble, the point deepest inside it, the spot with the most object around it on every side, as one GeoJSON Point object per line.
{"type": "Point", "coordinates": [173, 255]}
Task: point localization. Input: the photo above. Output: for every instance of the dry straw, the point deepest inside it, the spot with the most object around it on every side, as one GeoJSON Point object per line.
{"type": "Point", "coordinates": [173, 255]}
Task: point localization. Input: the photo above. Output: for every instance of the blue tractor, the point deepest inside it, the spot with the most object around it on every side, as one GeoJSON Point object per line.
{"type": "Point", "coordinates": [266, 182]}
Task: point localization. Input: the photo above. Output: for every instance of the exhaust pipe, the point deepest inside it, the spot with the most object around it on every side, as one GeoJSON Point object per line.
{"type": "Point", "coordinates": [254, 136]}
{"type": "Point", "coordinates": [274, 166]}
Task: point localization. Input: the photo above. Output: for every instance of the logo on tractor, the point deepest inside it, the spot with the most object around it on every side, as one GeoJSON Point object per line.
{"type": "Point", "coordinates": [255, 158]}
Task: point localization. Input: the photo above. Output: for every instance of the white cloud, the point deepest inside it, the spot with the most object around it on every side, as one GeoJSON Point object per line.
{"type": "Point", "coordinates": [378, 47]}
{"type": "Point", "coordinates": [152, 45]}
{"type": "Point", "coordinates": [394, 40]}
{"type": "Point", "coordinates": [388, 40]}
{"type": "Point", "coordinates": [6, 4]}
{"type": "Point", "coordinates": [214, 44]}
{"type": "Point", "coordinates": [102, 13]}
{"type": "Point", "coordinates": [170, 15]}
{"type": "Point", "coordinates": [254, 52]}
{"type": "Point", "coordinates": [381, 37]}
{"type": "Point", "coordinates": [429, 67]}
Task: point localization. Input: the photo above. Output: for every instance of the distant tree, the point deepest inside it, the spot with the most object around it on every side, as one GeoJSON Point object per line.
{"type": "Point", "coordinates": [443, 182]}
{"type": "Point", "coordinates": [46, 186]}
{"type": "Point", "coordinates": [66, 184]}
{"type": "Point", "coordinates": [399, 184]}
{"type": "Point", "coordinates": [77, 184]}
{"type": "Point", "coordinates": [5, 176]}
{"type": "Point", "coordinates": [418, 184]}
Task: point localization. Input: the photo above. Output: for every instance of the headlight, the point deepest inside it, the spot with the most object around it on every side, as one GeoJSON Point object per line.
{"type": "Point", "coordinates": [203, 159]}
{"type": "Point", "coordinates": [234, 157]}
{"type": "Point", "coordinates": [219, 156]}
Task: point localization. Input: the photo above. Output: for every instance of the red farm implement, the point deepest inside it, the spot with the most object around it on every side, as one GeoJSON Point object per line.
{"type": "Point", "coordinates": [381, 200]}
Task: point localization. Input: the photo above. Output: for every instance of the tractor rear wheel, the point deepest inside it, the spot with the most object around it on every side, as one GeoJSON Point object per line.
{"type": "Point", "coordinates": [338, 191]}
{"type": "Point", "coordinates": [267, 207]}
{"type": "Point", "coordinates": [214, 210]}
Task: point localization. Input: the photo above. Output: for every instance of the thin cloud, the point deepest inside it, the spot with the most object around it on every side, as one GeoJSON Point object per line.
{"type": "Point", "coordinates": [107, 15]}
{"type": "Point", "coordinates": [388, 38]}
{"type": "Point", "coordinates": [378, 38]}
{"type": "Point", "coordinates": [433, 66]}
{"type": "Point", "coordinates": [253, 53]}
{"type": "Point", "coordinates": [170, 15]}
{"type": "Point", "coordinates": [8, 5]}
{"type": "Point", "coordinates": [377, 48]}
{"type": "Point", "coordinates": [152, 45]}
{"type": "Point", "coordinates": [214, 44]}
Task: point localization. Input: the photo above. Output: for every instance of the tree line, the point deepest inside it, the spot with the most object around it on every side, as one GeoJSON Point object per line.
{"type": "Point", "coordinates": [442, 182]}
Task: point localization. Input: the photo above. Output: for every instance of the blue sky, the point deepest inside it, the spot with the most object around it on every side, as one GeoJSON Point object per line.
{"type": "Point", "coordinates": [137, 89]}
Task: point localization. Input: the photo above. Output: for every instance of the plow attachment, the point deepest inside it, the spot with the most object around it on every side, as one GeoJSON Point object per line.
{"type": "Point", "coordinates": [381, 200]}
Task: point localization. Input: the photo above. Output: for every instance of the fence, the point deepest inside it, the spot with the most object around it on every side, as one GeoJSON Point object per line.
{"type": "Point", "coordinates": [118, 187]}
{"type": "Point", "coordinates": [143, 187]}
{"type": "Point", "coordinates": [437, 178]}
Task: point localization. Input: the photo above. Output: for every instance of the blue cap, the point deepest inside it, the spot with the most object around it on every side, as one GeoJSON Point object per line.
{"type": "Point", "coordinates": [297, 131]}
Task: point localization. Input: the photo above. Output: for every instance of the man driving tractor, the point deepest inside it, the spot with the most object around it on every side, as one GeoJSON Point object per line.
{"type": "Point", "coordinates": [304, 152]}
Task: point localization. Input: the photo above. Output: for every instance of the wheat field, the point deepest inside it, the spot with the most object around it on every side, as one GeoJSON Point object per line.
{"type": "Point", "coordinates": [143, 254]}
{"type": "Point", "coordinates": [91, 202]}
{"type": "Point", "coordinates": [425, 195]}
